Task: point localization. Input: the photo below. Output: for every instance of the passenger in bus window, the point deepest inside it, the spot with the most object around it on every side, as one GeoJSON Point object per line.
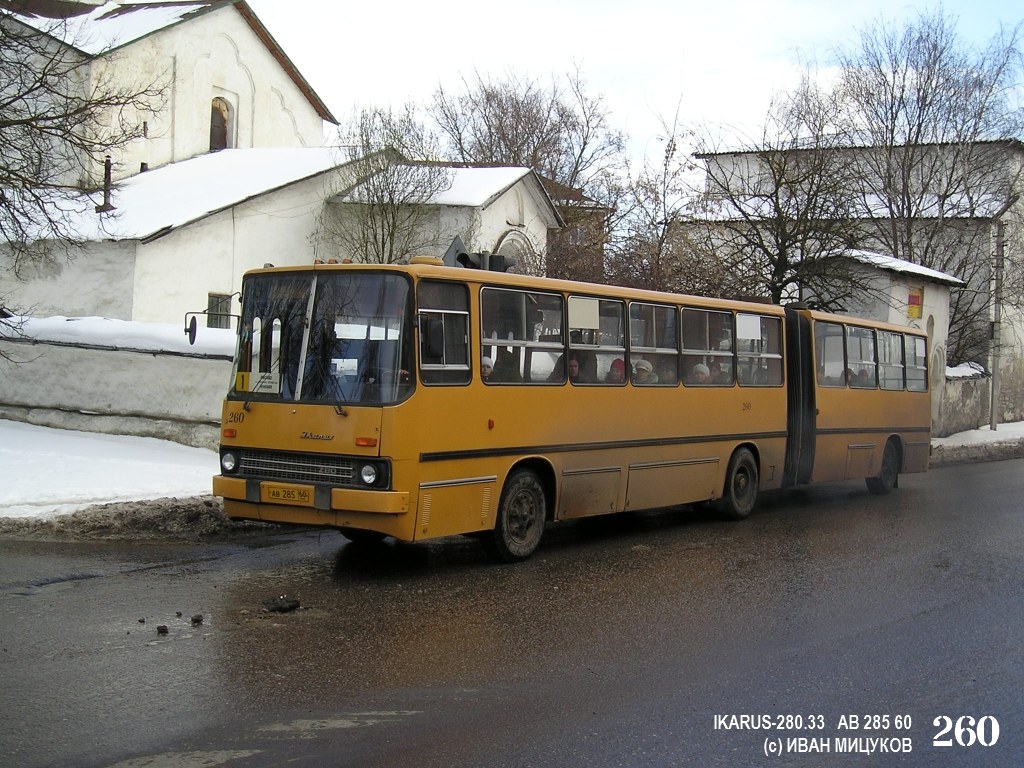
{"type": "Point", "coordinates": [486, 368]}
{"type": "Point", "coordinates": [643, 373]}
{"type": "Point", "coordinates": [575, 375]}
{"type": "Point", "coordinates": [617, 372]}
{"type": "Point", "coordinates": [666, 373]}
{"type": "Point", "coordinates": [716, 375]}
{"type": "Point", "coordinates": [506, 368]}
{"type": "Point", "coordinates": [700, 374]}
{"type": "Point", "coordinates": [558, 372]}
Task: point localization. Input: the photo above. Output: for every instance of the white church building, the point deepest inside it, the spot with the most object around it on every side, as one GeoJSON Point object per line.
{"type": "Point", "coordinates": [231, 173]}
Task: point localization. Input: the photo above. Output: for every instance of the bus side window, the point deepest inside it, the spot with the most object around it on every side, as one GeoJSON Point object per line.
{"type": "Point", "coordinates": [890, 360]}
{"type": "Point", "coordinates": [597, 338]}
{"type": "Point", "coordinates": [759, 350]}
{"type": "Point", "coordinates": [917, 363]}
{"type": "Point", "coordinates": [861, 357]}
{"type": "Point", "coordinates": [444, 332]}
{"type": "Point", "coordinates": [829, 354]}
{"type": "Point", "coordinates": [522, 335]}
{"type": "Point", "coordinates": [654, 338]}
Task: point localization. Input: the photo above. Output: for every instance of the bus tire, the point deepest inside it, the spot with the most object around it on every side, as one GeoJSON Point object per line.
{"type": "Point", "coordinates": [521, 517]}
{"type": "Point", "coordinates": [888, 473]}
{"type": "Point", "coordinates": [739, 496]}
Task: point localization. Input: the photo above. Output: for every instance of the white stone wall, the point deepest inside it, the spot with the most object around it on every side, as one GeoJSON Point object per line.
{"type": "Point", "coordinates": [518, 213]}
{"type": "Point", "coordinates": [174, 273]}
{"type": "Point", "coordinates": [154, 394]}
{"type": "Point", "coordinates": [97, 280]}
{"type": "Point", "coordinates": [214, 55]}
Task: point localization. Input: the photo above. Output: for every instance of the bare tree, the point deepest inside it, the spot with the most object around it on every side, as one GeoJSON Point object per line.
{"type": "Point", "coordinates": [776, 215]}
{"type": "Point", "coordinates": [559, 131]}
{"type": "Point", "coordinates": [59, 117]}
{"type": "Point", "coordinates": [388, 215]}
{"type": "Point", "coordinates": [645, 245]}
{"type": "Point", "coordinates": [933, 116]}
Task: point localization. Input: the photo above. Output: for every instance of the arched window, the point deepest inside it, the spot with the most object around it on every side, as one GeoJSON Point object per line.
{"type": "Point", "coordinates": [220, 125]}
{"type": "Point", "coordinates": [519, 254]}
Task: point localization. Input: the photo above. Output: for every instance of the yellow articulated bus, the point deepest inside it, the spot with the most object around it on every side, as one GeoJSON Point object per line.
{"type": "Point", "coordinates": [419, 401]}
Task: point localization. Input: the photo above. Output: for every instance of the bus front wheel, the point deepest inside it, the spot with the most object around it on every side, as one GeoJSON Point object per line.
{"type": "Point", "coordinates": [521, 517]}
{"type": "Point", "coordinates": [741, 482]}
{"type": "Point", "coordinates": [888, 473]}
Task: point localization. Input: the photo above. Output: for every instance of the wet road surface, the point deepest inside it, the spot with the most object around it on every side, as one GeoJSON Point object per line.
{"type": "Point", "coordinates": [616, 645]}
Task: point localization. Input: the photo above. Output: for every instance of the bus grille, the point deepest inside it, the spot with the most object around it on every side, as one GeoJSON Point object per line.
{"type": "Point", "coordinates": [297, 467]}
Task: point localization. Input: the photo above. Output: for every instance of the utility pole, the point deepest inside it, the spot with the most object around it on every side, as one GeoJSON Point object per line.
{"type": "Point", "coordinates": [997, 311]}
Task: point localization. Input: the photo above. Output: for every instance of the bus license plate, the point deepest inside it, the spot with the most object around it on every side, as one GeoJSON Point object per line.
{"type": "Point", "coordinates": [287, 494]}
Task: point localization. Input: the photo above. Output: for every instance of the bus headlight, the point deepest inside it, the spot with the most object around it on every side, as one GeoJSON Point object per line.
{"type": "Point", "coordinates": [368, 474]}
{"type": "Point", "coordinates": [228, 462]}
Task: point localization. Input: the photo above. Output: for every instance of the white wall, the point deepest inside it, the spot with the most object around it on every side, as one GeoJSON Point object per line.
{"type": "Point", "coordinates": [97, 280]}
{"type": "Point", "coordinates": [175, 273]}
{"type": "Point", "coordinates": [154, 394]}
{"type": "Point", "coordinates": [215, 54]}
{"type": "Point", "coordinates": [517, 210]}
{"type": "Point", "coordinates": [481, 229]}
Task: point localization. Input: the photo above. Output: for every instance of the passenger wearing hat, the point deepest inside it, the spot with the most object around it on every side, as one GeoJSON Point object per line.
{"type": "Point", "coordinates": [644, 373]}
{"type": "Point", "coordinates": [700, 374]}
{"type": "Point", "coordinates": [486, 368]}
{"type": "Point", "coordinates": [617, 372]}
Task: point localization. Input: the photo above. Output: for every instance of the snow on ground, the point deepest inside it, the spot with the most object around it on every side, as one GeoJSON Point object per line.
{"type": "Point", "coordinates": [48, 472]}
{"type": "Point", "coordinates": [1004, 433]}
{"type": "Point", "coordinates": [52, 472]}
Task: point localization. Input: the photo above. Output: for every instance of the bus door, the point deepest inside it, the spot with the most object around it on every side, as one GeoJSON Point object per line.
{"type": "Point", "coordinates": [800, 402]}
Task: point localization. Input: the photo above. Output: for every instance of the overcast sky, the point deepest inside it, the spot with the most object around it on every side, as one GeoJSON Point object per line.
{"type": "Point", "coordinates": [721, 59]}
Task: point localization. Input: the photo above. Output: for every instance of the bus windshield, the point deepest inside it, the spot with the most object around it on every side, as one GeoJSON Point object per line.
{"type": "Point", "coordinates": [341, 338]}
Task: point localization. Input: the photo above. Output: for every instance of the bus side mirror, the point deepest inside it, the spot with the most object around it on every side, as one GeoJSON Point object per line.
{"type": "Point", "coordinates": [191, 328]}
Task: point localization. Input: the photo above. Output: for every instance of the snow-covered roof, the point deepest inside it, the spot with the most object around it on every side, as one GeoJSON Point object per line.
{"type": "Point", "coordinates": [892, 264]}
{"type": "Point", "coordinates": [112, 25]}
{"type": "Point", "coordinates": [927, 206]}
{"type": "Point", "coordinates": [152, 203]}
{"type": "Point", "coordinates": [476, 187]}
{"type": "Point", "coordinates": [471, 187]}
{"type": "Point", "coordinates": [468, 187]}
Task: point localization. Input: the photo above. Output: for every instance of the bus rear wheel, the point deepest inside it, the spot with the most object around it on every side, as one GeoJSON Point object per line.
{"type": "Point", "coordinates": [888, 473]}
{"type": "Point", "coordinates": [521, 517]}
{"type": "Point", "coordinates": [741, 484]}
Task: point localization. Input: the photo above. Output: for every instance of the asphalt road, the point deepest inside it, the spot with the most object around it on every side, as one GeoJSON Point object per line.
{"type": "Point", "coordinates": [830, 620]}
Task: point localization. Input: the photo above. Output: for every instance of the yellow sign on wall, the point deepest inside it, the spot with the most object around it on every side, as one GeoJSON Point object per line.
{"type": "Point", "coordinates": [915, 302]}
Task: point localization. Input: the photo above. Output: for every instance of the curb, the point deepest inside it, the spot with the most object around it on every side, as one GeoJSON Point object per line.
{"type": "Point", "coordinates": [944, 455]}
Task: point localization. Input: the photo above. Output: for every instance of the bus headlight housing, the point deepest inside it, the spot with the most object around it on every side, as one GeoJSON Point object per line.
{"type": "Point", "coordinates": [374, 474]}
{"type": "Point", "coordinates": [368, 474]}
{"type": "Point", "coordinates": [228, 462]}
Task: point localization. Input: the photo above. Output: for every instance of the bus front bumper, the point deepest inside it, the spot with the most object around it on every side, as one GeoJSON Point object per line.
{"type": "Point", "coordinates": [312, 499]}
